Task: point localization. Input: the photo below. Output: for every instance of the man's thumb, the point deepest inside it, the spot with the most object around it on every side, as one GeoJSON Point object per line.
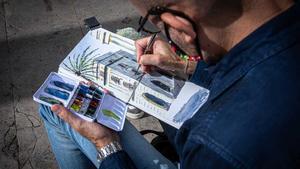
{"type": "Point", "coordinates": [67, 116]}
{"type": "Point", "coordinates": [57, 109]}
{"type": "Point", "coordinates": [63, 113]}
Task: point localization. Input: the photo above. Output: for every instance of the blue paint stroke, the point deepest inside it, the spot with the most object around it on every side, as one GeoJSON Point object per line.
{"type": "Point", "coordinates": [57, 93]}
{"type": "Point", "coordinates": [63, 85]}
{"type": "Point", "coordinates": [188, 109]}
{"type": "Point", "coordinates": [156, 101]}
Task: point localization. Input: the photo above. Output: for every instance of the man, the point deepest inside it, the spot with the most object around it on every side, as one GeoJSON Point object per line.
{"type": "Point", "coordinates": [251, 67]}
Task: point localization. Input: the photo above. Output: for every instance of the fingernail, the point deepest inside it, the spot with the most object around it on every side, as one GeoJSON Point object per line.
{"type": "Point", "coordinates": [56, 108]}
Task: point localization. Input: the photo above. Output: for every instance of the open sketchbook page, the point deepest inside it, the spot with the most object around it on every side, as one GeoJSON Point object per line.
{"type": "Point", "coordinates": [109, 60]}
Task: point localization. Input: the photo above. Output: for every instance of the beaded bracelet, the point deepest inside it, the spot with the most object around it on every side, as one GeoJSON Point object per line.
{"type": "Point", "coordinates": [184, 56]}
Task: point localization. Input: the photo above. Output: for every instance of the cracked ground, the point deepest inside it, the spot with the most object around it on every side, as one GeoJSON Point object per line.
{"type": "Point", "coordinates": [35, 35]}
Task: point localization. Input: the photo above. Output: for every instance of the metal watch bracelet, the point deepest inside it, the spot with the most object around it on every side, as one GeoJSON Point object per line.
{"type": "Point", "coordinates": [107, 150]}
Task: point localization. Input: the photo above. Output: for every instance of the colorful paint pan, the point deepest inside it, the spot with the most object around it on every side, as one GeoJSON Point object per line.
{"type": "Point", "coordinates": [77, 101]}
{"type": "Point", "coordinates": [94, 103]}
{"type": "Point", "coordinates": [92, 88]}
{"type": "Point", "coordinates": [91, 92]}
{"type": "Point", "coordinates": [75, 107]}
{"type": "Point", "coordinates": [83, 86]}
{"type": "Point", "coordinates": [89, 96]}
{"type": "Point", "coordinates": [90, 112]}
{"type": "Point", "coordinates": [80, 96]}
{"type": "Point", "coordinates": [84, 89]}
{"type": "Point", "coordinates": [98, 94]}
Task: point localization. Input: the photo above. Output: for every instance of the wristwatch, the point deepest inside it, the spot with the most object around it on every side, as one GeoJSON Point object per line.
{"type": "Point", "coordinates": [107, 150]}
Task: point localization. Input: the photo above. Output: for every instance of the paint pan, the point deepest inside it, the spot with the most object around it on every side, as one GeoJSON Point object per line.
{"type": "Point", "coordinates": [76, 105]}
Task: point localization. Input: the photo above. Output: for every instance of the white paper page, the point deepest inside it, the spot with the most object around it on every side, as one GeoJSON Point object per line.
{"type": "Point", "coordinates": [97, 44]}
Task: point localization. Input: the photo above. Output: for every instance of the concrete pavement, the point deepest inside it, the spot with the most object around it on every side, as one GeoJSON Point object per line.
{"type": "Point", "coordinates": [35, 35]}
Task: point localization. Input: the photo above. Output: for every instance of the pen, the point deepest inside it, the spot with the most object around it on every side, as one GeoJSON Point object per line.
{"type": "Point", "coordinates": [148, 48]}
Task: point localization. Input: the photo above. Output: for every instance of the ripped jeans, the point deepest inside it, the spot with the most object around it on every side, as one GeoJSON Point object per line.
{"type": "Point", "coordinates": [74, 151]}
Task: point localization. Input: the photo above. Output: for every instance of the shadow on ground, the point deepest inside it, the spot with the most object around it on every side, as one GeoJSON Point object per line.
{"type": "Point", "coordinates": [25, 63]}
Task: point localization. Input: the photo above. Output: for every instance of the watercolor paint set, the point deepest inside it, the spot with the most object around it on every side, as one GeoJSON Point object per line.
{"type": "Point", "coordinates": [86, 101]}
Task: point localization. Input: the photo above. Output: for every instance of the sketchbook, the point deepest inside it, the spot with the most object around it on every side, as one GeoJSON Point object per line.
{"type": "Point", "coordinates": [109, 60]}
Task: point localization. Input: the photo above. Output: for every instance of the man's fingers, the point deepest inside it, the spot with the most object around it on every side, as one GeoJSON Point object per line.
{"type": "Point", "coordinates": [90, 83]}
{"type": "Point", "coordinates": [151, 60]}
{"type": "Point", "coordinates": [67, 116]}
{"type": "Point", "coordinates": [147, 69]}
{"type": "Point", "coordinates": [141, 45]}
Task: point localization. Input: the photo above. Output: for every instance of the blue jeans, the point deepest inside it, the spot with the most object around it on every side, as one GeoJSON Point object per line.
{"type": "Point", "coordinates": [73, 151]}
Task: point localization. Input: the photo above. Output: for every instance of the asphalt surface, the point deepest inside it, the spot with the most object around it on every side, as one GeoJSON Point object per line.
{"type": "Point", "coordinates": [35, 36]}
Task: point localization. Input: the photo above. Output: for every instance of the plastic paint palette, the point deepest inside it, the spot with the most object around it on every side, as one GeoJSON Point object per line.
{"type": "Point", "coordinates": [88, 102]}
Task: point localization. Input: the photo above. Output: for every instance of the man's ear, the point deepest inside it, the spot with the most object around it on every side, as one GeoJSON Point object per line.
{"type": "Point", "coordinates": [181, 25]}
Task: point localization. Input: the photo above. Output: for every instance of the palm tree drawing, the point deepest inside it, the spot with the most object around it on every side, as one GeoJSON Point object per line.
{"type": "Point", "coordinates": [81, 64]}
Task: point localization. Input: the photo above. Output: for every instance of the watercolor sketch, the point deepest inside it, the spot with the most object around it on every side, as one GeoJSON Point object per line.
{"type": "Point", "coordinates": [109, 60]}
{"type": "Point", "coordinates": [158, 81]}
{"type": "Point", "coordinates": [81, 64]}
{"type": "Point", "coordinates": [125, 63]}
{"type": "Point", "coordinates": [165, 84]}
{"type": "Point", "coordinates": [127, 67]}
{"type": "Point", "coordinates": [91, 65]}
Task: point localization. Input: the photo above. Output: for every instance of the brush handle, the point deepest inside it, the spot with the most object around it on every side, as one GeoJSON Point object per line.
{"type": "Point", "coordinates": [148, 48]}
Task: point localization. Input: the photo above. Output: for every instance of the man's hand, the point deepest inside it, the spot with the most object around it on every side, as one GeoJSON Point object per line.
{"type": "Point", "coordinates": [96, 133]}
{"type": "Point", "coordinates": [162, 57]}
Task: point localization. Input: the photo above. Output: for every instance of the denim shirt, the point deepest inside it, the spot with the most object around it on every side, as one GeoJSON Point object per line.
{"type": "Point", "coordinates": [252, 117]}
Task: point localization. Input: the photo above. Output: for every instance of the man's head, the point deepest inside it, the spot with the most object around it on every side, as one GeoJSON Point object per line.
{"type": "Point", "coordinates": [181, 29]}
{"type": "Point", "coordinates": [219, 24]}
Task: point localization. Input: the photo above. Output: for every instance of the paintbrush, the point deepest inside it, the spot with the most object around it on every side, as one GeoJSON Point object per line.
{"type": "Point", "coordinates": [148, 49]}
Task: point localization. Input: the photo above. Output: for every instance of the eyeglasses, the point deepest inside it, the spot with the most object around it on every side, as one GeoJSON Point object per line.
{"type": "Point", "coordinates": [159, 10]}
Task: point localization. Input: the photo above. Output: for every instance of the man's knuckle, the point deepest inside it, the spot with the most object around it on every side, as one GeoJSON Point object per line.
{"type": "Point", "coordinates": [136, 43]}
{"type": "Point", "coordinates": [159, 60]}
